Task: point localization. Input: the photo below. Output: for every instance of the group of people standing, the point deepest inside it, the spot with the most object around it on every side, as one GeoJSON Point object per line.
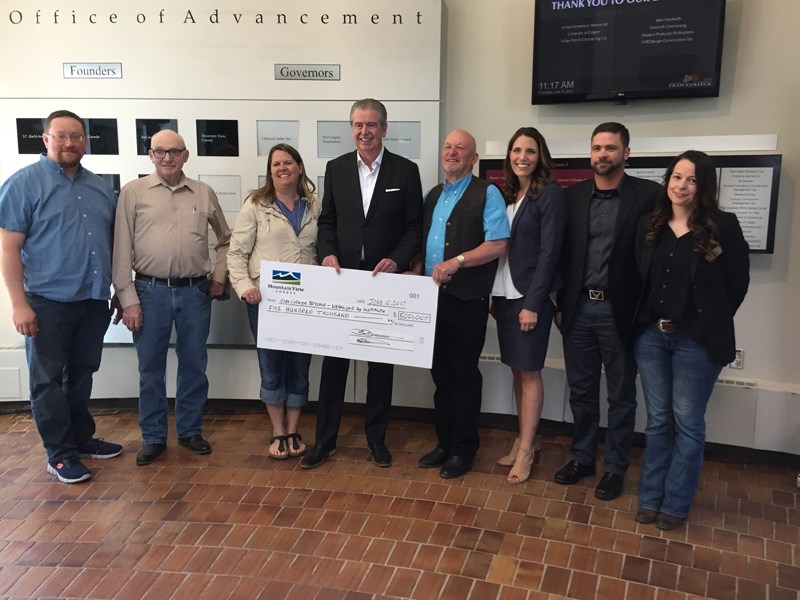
{"type": "Point", "coordinates": [63, 237]}
{"type": "Point", "coordinates": [630, 271]}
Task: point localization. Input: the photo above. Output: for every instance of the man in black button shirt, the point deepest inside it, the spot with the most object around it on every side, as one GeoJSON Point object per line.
{"type": "Point", "coordinates": [596, 307]}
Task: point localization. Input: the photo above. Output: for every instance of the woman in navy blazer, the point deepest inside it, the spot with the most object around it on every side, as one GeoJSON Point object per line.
{"type": "Point", "coordinates": [525, 280]}
{"type": "Point", "coordinates": [695, 266]}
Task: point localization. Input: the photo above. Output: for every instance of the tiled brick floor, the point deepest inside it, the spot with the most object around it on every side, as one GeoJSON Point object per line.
{"type": "Point", "coordinates": [235, 524]}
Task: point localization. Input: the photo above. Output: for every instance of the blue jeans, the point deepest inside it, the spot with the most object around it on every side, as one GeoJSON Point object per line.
{"type": "Point", "coordinates": [62, 359]}
{"type": "Point", "coordinates": [284, 375]}
{"type": "Point", "coordinates": [591, 343]}
{"type": "Point", "coordinates": [189, 308]}
{"type": "Point", "coordinates": [677, 379]}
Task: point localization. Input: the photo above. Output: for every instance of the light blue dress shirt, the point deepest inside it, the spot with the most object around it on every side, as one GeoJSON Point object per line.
{"type": "Point", "coordinates": [68, 226]}
{"type": "Point", "coordinates": [495, 221]}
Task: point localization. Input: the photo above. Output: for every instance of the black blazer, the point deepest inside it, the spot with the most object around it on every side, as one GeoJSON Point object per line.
{"type": "Point", "coordinates": [718, 287]}
{"type": "Point", "coordinates": [535, 246]}
{"type": "Point", "coordinates": [638, 196]}
{"type": "Point", "coordinates": [391, 229]}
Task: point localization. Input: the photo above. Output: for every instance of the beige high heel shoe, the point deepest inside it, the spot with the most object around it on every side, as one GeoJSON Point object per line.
{"type": "Point", "coordinates": [521, 470]}
{"type": "Point", "coordinates": [509, 459]}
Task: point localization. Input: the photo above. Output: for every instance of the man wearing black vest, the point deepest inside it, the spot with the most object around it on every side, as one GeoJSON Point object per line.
{"type": "Point", "coordinates": [597, 304]}
{"type": "Point", "coordinates": [465, 231]}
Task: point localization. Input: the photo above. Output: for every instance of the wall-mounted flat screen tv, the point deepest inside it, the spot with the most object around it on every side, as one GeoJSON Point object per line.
{"type": "Point", "coordinates": [619, 50]}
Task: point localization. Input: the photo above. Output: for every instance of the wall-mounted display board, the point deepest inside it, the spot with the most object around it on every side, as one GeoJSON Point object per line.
{"type": "Point", "coordinates": [228, 189]}
{"type": "Point", "coordinates": [240, 70]}
{"type": "Point", "coordinates": [29, 135]}
{"type": "Point", "coordinates": [101, 134]}
{"type": "Point", "coordinates": [233, 50]}
{"type": "Point", "coordinates": [613, 50]}
{"type": "Point", "coordinates": [147, 128]}
{"type": "Point", "coordinates": [747, 186]}
{"type": "Point", "coordinates": [113, 180]}
{"type": "Point", "coordinates": [271, 133]}
{"type": "Point", "coordinates": [217, 137]}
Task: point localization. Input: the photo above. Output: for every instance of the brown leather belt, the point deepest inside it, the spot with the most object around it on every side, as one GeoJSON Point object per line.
{"type": "Point", "coordinates": [667, 326]}
{"type": "Point", "coordinates": [172, 282]}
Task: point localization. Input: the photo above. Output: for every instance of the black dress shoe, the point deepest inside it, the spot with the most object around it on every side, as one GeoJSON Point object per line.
{"type": "Point", "coordinates": [573, 472]}
{"type": "Point", "coordinates": [610, 486]}
{"type": "Point", "coordinates": [455, 466]}
{"type": "Point", "coordinates": [149, 453]}
{"type": "Point", "coordinates": [646, 516]}
{"type": "Point", "coordinates": [434, 458]}
{"type": "Point", "coordinates": [381, 455]}
{"type": "Point", "coordinates": [195, 443]}
{"type": "Point", "coordinates": [315, 457]}
{"type": "Point", "coordinates": [667, 522]}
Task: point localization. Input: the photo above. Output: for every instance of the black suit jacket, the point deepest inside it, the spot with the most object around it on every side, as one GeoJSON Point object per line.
{"type": "Point", "coordinates": [637, 198]}
{"type": "Point", "coordinates": [391, 229]}
{"type": "Point", "coordinates": [537, 232]}
{"type": "Point", "coordinates": [718, 287]}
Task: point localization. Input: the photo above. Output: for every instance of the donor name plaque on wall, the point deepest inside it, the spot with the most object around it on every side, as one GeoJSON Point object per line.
{"type": "Point", "coordinates": [308, 72]}
{"type": "Point", "coordinates": [92, 70]}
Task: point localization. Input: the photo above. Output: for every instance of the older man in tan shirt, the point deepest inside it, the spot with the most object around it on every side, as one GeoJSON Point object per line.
{"type": "Point", "coordinates": [161, 234]}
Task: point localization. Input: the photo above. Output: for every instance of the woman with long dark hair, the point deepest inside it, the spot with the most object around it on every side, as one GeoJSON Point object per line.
{"type": "Point", "coordinates": [277, 222]}
{"type": "Point", "coordinates": [694, 263]}
{"type": "Point", "coordinates": [525, 279]}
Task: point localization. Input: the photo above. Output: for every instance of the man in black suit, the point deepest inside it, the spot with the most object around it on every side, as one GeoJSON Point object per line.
{"type": "Point", "coordinates": [372, 220]}
{"type": "Point", "coordinates": [597, 304]}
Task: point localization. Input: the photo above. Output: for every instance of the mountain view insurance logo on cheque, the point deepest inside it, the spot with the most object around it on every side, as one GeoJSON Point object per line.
{"type": "Point", "coordinates": [286, 277]}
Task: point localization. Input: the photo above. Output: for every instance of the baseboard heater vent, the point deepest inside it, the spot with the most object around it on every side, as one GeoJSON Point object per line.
{"type": "Point", "coordinates": [741, 383]}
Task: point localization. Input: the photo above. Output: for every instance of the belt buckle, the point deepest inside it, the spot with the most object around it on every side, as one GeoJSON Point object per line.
{"type": "Point", "coordinates": [597, 295]}
{"type": "Point", "coordinates": [170, 280]}
{"type": "Point", "coordinates": [661, 323]}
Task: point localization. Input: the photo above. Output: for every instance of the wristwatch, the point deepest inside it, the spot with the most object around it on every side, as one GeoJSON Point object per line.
{"type": "Point", "coordinates": [460, 258]}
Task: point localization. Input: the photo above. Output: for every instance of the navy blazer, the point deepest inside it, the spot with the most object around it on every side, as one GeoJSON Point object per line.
{"type": "Point", "coordinates": [718, 287]}
{"type": "Point", "coordinates": [392, 228]}
{"type": "Point", "coordinates": [537, 231]}
{"type": "Point", "coordinates": [637, 198]}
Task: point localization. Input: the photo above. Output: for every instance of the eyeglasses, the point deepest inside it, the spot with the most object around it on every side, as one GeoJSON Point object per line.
{"type": "Point", "coordinates": [173, 152]}
{"type": "Point", "coordinates": [63, 137]}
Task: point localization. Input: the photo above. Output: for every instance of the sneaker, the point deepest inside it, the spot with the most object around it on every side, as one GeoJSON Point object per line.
{"type": "Point", "coordinates": [69, 470]}
{"type": "Point", "coordinates": [98, 448]}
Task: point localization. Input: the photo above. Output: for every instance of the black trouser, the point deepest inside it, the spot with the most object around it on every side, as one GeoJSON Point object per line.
{"type": "Point", "coordinates": [460, 333]}
{"type": "Point", "coordinates": [331, 400]}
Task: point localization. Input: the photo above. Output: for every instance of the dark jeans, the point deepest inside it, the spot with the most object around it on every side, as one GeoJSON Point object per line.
{"type": "Point", "coordinates": [460, 333]}
{"type": "Point", "coordinates": [62, 359]}
{"type": "Point", "coordinates": [333, 381]}
{"type": "Point", "coordinates": [591, 344]}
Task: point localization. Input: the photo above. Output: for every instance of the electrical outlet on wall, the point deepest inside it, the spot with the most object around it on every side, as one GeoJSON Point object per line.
{"type": "Point", "coordinates": [738, 362]}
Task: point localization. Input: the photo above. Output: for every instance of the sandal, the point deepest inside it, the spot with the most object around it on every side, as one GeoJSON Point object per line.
{"type": "Point", "coordinates": [521, 470]}
{"type": "Point", "coordinates": [296, 445]}
{"type": "Point", "coordinates": [282, 453]}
